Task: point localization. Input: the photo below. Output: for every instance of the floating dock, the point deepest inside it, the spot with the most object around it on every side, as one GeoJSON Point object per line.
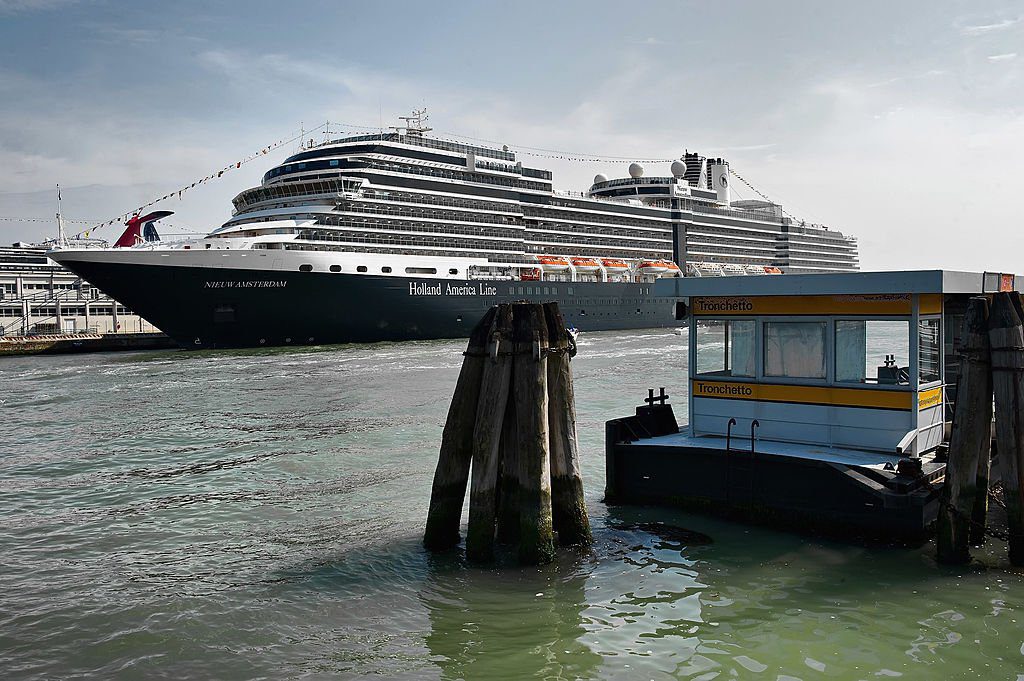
{"type": "Point", "coordinates": [63, 344]}
{"type": "Point", "coordinates": [818, 401]}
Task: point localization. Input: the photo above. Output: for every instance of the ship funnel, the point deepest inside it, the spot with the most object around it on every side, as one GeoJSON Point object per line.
{"type": "Point", "coordinates": [141, 229]}
{"type": "Point", "coordinates": [718, 171]}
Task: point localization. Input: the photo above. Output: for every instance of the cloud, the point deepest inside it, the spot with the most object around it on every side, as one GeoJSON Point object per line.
{"type": "Point", "coordinates": [1003, 57]}
{"type": "Point", "coordinates": [982, 29]}
{"type": "Point", "coordinates": [885, 164]}
{"type": "Point", "coordinates": [16, 6]}
{"type": "Point", "coordinates": [930, 73]}
{"type": "Point", "coordinates": [134, 36]}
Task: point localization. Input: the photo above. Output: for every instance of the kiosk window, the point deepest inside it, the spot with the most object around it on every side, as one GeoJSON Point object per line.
{"type": "Point", "coordinates": [794, 349]}
{"type": "Point", "coordinates": [929, 355]}
{"type": "Point", "coordinates": [873, 351]}
{"type": "Point", "coordinates": [726, 348]}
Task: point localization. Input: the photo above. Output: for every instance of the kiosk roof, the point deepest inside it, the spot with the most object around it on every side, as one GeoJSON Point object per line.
{"type": "Point", "coordinates": [845, 283]}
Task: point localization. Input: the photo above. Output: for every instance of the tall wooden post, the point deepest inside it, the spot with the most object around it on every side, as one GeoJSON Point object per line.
{"type": "Point", "coordinates": [1007, 338]}
{"type": "Point", "coordinates": [530, 342]}
{"type": "Point", "coordinates": [490, 412]}
{"type": "Point", "coordinates": [512, 418]}
{"type": "Point", "coordinates": [568, 508]}
{"type": "Point", "coordinates": [452, 473]}
{"type": "Point", "coordinates": [979, 514]}
{"type": "Point", "coordinates": [969, 441]}
{"type": "Point", "coordinates": [508, 485]}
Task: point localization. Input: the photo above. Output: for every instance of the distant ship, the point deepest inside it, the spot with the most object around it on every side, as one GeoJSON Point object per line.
{"type": "Point", "coordinates": [400, 235]}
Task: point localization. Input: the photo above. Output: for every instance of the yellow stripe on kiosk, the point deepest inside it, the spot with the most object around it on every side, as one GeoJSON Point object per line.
{"type": "Point", "coordinates": [902, 400]}
{"type": "Point", "coordinates": [868, 304]}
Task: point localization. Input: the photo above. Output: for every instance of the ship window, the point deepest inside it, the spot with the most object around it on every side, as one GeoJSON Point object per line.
{"type": "Point", "coordinates": [335, 268]}
{"type": "Point", "coordinates": [725, 347]}
{"type": "Point", "coordinates": [334, 163]}
{"type": "Point", "coordinates": [794, 349]}
{"type": "Point", "coordinates": [385, 269]}
{"type": "Point", "coordinates": [864, 347]}
{"type": "Point", "coordinates": [305, 268]}
{"type": "Point", "coordinates": [520, 290]}
{"type": "Point", "coordinates": [547, 290]}
{"type": "Point", "coordinates": [929, 356]}
{"type": "Point", "coordinates": [511, 290]}
{"type": "Point", "coordinates": [453, 271]}
{"type": "Point", "coordinates": [421, 270]}
{"type": "Point", "coordinates": [361, 268]}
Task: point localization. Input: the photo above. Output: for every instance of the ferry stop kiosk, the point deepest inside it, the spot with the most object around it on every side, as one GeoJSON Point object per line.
{"type": "Point", "coordinates": [816, 400]}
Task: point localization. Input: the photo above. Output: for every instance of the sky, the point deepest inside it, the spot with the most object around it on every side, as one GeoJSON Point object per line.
{"type": "Point", "coordinates": [899, 123]}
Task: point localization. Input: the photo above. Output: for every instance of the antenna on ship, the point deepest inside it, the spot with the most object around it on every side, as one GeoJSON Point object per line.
{"type": "Point", "coordinates": [62, 240]}
{"type": "Point", "coordinates": [415, 124]}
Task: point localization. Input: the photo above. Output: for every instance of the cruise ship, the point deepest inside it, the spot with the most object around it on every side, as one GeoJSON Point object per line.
{"type": "Point", "coordinates": [402, 235]}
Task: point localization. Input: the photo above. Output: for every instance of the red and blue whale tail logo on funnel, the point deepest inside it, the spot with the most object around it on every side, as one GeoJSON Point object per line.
{"type": "Point", "coordinates": [141, 229]}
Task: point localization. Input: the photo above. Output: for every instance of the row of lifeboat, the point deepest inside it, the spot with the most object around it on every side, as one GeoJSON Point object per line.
{"type": "Point", "coordinates": [712, 269]}
{"type": "Point", "coordinates": [554, 263]}
{"type": "Point", "coordinates": [657, 268]}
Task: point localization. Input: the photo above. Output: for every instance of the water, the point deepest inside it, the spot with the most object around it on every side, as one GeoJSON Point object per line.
{"type": "Point", "coordinates": [239, 515]}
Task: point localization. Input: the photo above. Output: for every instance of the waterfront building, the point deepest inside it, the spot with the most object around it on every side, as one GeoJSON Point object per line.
{"type": "Point", "coordinates": [38, 296]}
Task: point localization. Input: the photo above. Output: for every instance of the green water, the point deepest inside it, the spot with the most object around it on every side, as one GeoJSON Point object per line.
{"type": "Point", "coordinates": [237, 515]}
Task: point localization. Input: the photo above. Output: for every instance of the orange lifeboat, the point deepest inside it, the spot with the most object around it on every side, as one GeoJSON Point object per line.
{"type": "Point", "coordinates": [529, 274]}
{"type": "Point", "coordinates": [614, 266]}
{"type": "Point", "coordinates": [553, 263]}
{"type": "Point", "coordinates": [652, 267]}
{"type": "Point", "coordinates": [672, 269]}
{"type": "Point", "coordinates": [772, 270]}
{"type": "Point", "coordinates": [586, 264]}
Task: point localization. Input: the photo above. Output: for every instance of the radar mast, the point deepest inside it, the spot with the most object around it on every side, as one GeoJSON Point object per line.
{"type": "Point", "coordinates": [415, 124]}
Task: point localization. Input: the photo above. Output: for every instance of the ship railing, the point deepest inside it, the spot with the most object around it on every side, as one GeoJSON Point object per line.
{"type": "Point", "coordinates": [386, 211]}
{"type": "Point", "coordinates": [508, 208]}
{"type": "Point", "coordinates": [477, 178]}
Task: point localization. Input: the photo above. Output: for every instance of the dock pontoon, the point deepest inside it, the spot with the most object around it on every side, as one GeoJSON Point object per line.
{"type": "Point", "coordinates": [820, 401]}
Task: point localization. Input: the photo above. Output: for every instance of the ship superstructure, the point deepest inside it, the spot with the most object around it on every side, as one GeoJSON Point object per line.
{"type": "Point", "coordinates": [401, 218]}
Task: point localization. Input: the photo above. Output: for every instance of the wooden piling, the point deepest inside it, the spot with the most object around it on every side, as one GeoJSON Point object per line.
{"type": "Point", "coordinates": [452, 472]}
{"type": "Point", "coordinates": [490, 412]}
{"type": "Point", "coordinates": [969, 441]}
{"type": "Point", "coordinates": [530, 343]}
{"type": "Point", "coordinates": [979, 513]}
{"type": "Point", "coordinates": [568, 508]}
{"type": "Point", "coordinates": [1006, 336]}
{"type": "Point", "coordinates": [508, 479]}
{"type": "Point", "coordinates": [513, 419]}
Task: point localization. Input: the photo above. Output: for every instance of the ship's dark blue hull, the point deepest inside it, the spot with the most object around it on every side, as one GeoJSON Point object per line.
{"type": "Point", "coordinates": [206, 307]}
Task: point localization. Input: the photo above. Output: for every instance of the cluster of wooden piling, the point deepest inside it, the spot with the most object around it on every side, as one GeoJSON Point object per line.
{"type": "Point", "coordinates": [512, 421]}
{"type": "Point", "coordinates": [991, 361]}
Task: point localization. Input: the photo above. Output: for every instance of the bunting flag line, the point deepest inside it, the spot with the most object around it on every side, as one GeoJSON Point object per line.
{"type": "Point", "coordinates": [231, 166]}
{"type": "Point", "coordinates": [49, 220]}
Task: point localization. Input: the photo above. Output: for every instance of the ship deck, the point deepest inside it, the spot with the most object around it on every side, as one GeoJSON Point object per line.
{"type": "Point", "coordinates": [848, 457]}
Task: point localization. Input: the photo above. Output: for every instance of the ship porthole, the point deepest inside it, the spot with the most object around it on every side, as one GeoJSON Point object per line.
{"type": "Point", "coordinates": [310, 339]}
{"type": "Point", "coordinates": [287, 340]}
{"type": "Point", "coordinates": [263, 341]}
